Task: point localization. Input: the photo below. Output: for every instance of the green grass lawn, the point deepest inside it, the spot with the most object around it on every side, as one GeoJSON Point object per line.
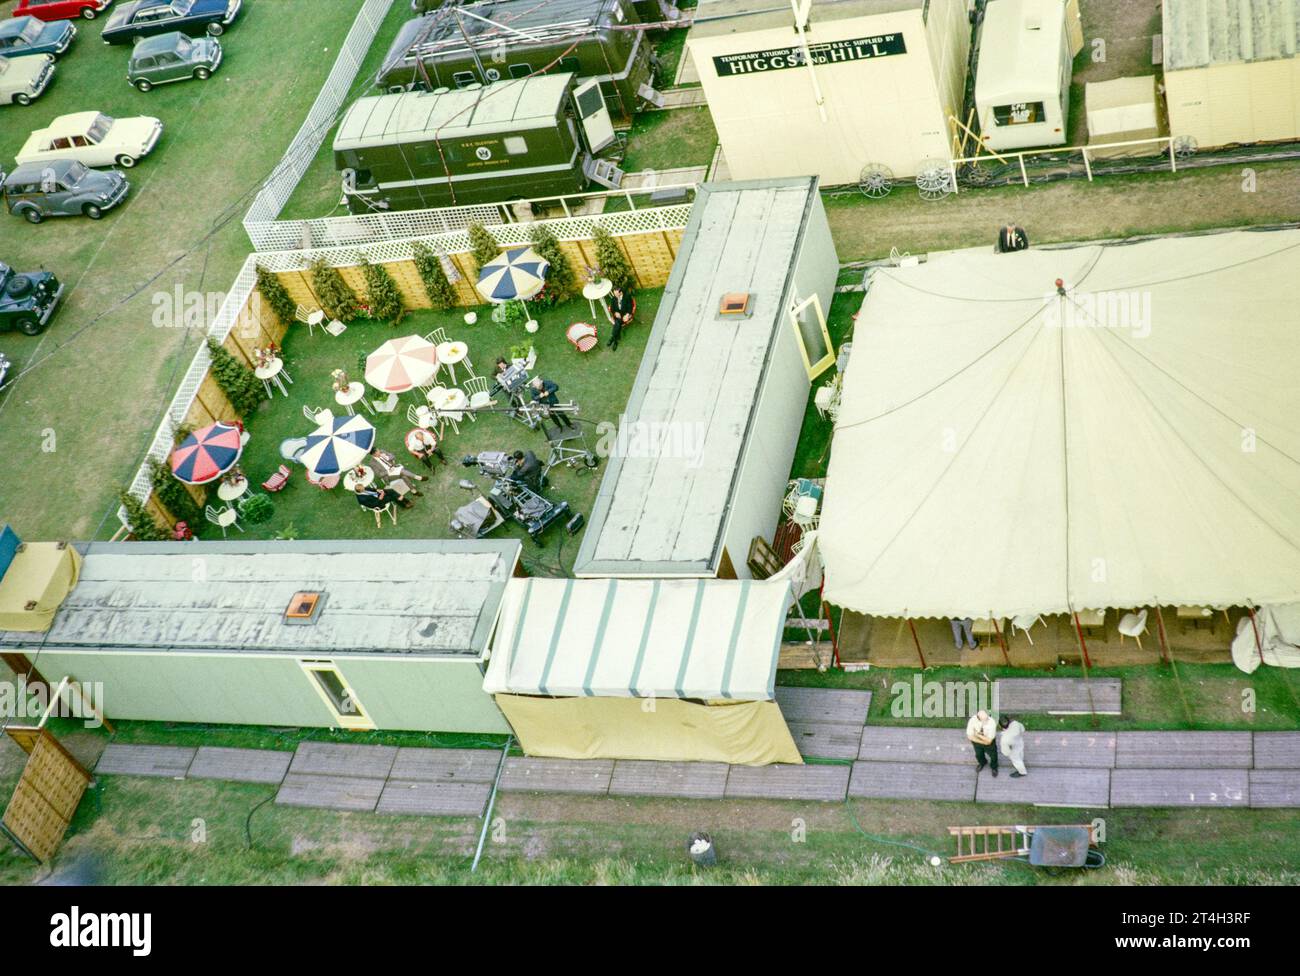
{"type": "Point", "coordinates": [670, 140]}
{"type": "Point", "coordinates": [74, 429]}
{"type": "Point", "coordinates": [670, 50]}
{"type": "Point", "coordinates": [599, 381]}
{"type": "Point", "coordinates": [813, 453]}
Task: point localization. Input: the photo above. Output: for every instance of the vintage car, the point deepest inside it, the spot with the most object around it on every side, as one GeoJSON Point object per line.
{"type": "Point", "coordinates": [22, 79]}
{"type": "Point", "coordinates": [27, 299]}
{"type": "Point", "coordinates": [172, 57]}
{"type": "Point", "coordinates": [93, 138]}
{"type": "Point", "coordinates": [50, 10]}
{"type": "Point", "coordinates": [143, 18]}
{"type": "Point", "coordinates": [27, 35]}
{"type": "Point", "coordinates": [62, 188]}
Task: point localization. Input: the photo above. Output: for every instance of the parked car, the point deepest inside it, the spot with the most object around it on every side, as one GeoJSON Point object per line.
{"type": "Point", "coordinates": [27, 300]}
{"type": "Point", "coordinates": [5, 366]}
{"type": "Point", "coordinates": [23, 79]}
{"type": "Point", "coordinates": [50, 10]}
{"type": "Point", "coordinates": [27, 35]}
{"type": "Point", "coordinates": [93, 138]}
{"type": "Point", "coordinates": [61, 188]}
{"type": "Point", "coordinates": [143, 18]}
{"type": "Point", "coordinates": [172, 57]}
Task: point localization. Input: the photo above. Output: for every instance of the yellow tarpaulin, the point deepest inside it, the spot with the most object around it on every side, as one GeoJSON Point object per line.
{"type": "Point", "coordinates": [751, 733]}
{"type": "Point", "coordinates": [36, 583]}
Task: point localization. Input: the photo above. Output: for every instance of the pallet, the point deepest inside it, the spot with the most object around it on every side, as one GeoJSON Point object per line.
{"type": "Point", "coordinates": [913, 781]}
{"type": "Point", "coordinates": [584, 776]}
{"type": "Point", "coordinates": [783, 782]}
{"type": "Point", "coordinates": [689, 780]}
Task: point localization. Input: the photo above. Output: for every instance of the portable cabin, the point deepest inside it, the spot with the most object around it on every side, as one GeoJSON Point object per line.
{"type": "Point", "coordinates": [349, 634]}
{"type": "Point", "coordinates": [699, 463]}
{"type": "Point", "coordinates": [1022, 78]}
{"type": "Point", "coordinates": [512, 139]}
{"type": "Point", "coordinates": [1232, 71]}
{"type": "Point", "coordinates": [885, 78]}
{"type": "Point", "coordinates": [460, 45]}
{"type": "Point", "coordinates": [1125, 110]}
{"type": "Point", "coordinates": [673, 670]}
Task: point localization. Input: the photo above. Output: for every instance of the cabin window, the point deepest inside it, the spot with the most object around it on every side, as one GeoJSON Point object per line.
{"type": "Point", "coordinates": [463, 79]}
{"type": "Point", "coordinates": [520, 70]}
{"type": "Point", "coordinates": [516, 146]}
{"type": "Point", "coordinates": [335, 692]}
{"type": "Point", "coordinates": [1018, 113]}
{"type": "Point", "coordinates": [809, 323]}
{"type": "Point", "coordinates": [61, 144]}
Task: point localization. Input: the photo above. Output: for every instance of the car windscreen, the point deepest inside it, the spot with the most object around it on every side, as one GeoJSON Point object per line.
{"type": "Point", "coordinates": [31, 31]}
{"type": "Point", "coordinates": [76, 173]}
{"type": "Point", "coordinates": [99, 128]}
{"type": "Point", "coordinates": [182, 7]}
{"type": "Point", "coordinates": [183, 47]}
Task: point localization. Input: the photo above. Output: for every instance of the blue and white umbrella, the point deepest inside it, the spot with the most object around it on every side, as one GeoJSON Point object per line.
{"type": "Point", "coordinates": [334, 447]}
{"type": "Point", "coordinates": [516, 275]}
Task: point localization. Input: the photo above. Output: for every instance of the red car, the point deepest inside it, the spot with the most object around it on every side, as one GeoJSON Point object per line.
{"type": "Point", "coordinates": [49, 10]}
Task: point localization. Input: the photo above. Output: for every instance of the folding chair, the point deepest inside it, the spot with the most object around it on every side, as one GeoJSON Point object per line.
{"type": "Point", "coordinates": [277, 481]}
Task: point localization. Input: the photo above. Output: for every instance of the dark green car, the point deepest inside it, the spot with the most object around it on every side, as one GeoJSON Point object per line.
{"type": "Point", "coordinates": [172, 57]}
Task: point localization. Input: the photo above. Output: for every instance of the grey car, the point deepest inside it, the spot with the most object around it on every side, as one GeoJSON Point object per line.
{"type": "Point", "coordinates": [62, 187]}
{"type": "Point", "coordinates": [172, 57]}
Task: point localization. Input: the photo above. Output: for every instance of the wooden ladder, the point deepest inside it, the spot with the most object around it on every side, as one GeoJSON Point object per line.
{"type": "Point", "coordinates": [977, 843]}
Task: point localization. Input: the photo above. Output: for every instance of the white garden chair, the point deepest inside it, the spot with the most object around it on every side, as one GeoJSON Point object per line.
{"type": "Point", "coordinates": [223, 518]}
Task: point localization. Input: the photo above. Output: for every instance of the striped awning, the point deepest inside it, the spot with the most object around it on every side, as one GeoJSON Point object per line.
{"type": "Point", "coordinates": [689, 638]}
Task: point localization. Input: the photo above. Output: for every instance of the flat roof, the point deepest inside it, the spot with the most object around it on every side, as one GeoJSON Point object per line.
{"type": "Point", "coordinates": [1020, 49]}
{"type": "Point", "coordinates": [1200, 33]}
{"type": "Point", "coordinates": [417, 116]}
{"type": "Point", "coordinates": [717, 17]}
{"type": "Point", "coordinates": [408, 597]}
{"type": "Point", "coordinates": [662, 511]}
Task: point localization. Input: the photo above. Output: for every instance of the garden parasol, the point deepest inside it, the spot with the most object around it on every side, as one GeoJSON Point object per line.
{"type": "Point", "coordinates": [335, 446]}
{"type": "Point", "coordinates": [207, 454]}
{"type": "Point", "coordinates": [402, 364]}
{"type": "Point", "coordinates": [515, 275]}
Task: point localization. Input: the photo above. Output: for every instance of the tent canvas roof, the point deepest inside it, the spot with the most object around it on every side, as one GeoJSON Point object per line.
{"type": "Point", "coordinates": [706, 639]}
{"type": "Point", "coordinates": [1200, 33]}
{"type": "Point", "coordinates": [999, 451]}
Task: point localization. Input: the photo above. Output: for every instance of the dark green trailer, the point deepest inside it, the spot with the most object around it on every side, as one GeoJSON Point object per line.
{"type": "Point", "coordinates": [524, 139]}
{"type": "Point", "coordinates": [458, 45]}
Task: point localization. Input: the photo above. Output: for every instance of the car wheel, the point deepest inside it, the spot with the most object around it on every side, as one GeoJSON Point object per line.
{"type": "Point", "coordinates": [92, 211]}
{"type": "Point", "coordinates": [216, 30]}
{"type": "Point", "coordinates": [33, 216]}
{"type": "Point", "coordinates": [89, 12]}
{"type": "Point", "coordinates": [28, 326]}
{"type": "Point", "coordinates": [144, 85]}
{"type": "Point", "coordinates": [22, 98]}
{"type": "Point", "coordinates": [203, 74]}
{"type": "Point", "coordinates": [125, 161]}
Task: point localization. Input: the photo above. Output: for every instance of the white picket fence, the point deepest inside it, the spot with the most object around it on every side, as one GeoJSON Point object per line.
{"type": "Point", "coordinates": [276, 191]}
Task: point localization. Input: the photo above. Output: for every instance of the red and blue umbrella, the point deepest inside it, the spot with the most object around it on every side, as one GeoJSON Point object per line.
{"type": "Point", "coordinates": [334, 447]}
{"type": "Point", "coordinates": [207, 454]}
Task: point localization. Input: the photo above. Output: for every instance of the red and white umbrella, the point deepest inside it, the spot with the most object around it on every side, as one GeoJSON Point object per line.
{"type": "Point", "coordinates": [402, 364]}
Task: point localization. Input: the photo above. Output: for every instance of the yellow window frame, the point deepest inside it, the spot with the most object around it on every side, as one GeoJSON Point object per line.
{"type": "Point", "coordinates": [827, 361]}
{"type": "Point", "coordinates": [357, 720]}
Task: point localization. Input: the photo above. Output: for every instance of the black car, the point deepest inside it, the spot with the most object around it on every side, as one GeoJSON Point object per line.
{"type": "Point", "coordinates": [143, 18]}
{"type": "Point", "coordinates": [27, 300]}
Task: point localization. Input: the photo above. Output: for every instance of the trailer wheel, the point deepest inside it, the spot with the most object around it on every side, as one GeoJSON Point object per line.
{"type": "Point", "coordinates": [876, 180]}
{"type": "Point", "coordinates": [1185, 146]}
{"type": "Point", "coordinates": [934, 179]}
{"type": "Point", "coordinates": [977, 175]}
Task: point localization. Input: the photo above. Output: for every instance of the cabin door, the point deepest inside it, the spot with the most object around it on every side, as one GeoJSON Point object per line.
{"type": "Point", "coordinates": [596, 123]}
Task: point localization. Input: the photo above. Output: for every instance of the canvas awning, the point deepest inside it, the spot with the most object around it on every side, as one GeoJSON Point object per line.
{"type": "Point", "coordinates": [1005, 449]}
{"type": "Point", "coordinates": [36, 582]}
{"type": "Point", "coordinates": [700, 639]}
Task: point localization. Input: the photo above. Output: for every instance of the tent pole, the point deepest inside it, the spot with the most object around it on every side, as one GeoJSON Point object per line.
{"type": "Point", "coordinates": [917, 642]}
{"type": "Point", "coordinates": [1083, 644]}
{"type": "Point", "coordinates": [1164, 642]}
{"type": "Point", "coordinates": [830, 625]}
{"type": "Point", "coordinates": [1001, 640]}
{"type": "Point", "coordinates": [1254, 625]}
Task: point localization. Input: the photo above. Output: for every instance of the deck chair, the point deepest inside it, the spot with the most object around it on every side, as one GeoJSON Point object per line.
{"type": "Point", "coordinates": [277, 481]}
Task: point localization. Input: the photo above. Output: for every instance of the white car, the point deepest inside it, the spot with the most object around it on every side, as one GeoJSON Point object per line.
{"type": "Point", "coordinates": [93, 139]}
{"type": "Point", "coordinates": [22, 79]}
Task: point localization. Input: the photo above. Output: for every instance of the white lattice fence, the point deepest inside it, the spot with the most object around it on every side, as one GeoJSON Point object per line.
{"type": "Point", "coordinates": [271, 199]}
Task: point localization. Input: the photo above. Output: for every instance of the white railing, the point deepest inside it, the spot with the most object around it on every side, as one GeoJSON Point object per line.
{"type": "Point", "coordinates": [618, 224]}
{"type": "Point", "coordinates": [276, 191]}
{"type": "Point", "coordinates": [325, 232]}
{"type": "Point", "coordinates": [1162, 145]}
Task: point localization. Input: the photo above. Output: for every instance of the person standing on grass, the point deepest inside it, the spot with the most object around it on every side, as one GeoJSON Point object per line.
{"type": "Point", "coordinates": [982, 732]}
{"type": "Point", "coordinates": [963, 627]}
{"type": "Point", "coordinates": [1013, 745]}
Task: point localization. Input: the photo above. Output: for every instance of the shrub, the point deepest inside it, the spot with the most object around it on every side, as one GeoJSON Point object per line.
{"type": "Point", "coordinates": [483, 246]}
{"type": "Point", "coordinates": [173, 495]}
{"type": "Point", "coordinates": [244, 390]}
{"type": "Point", "coordinates": [561, 281]}
{"type": "Point", "coordinates": [442, 294]}
{"type": "Point", "coordinates": [143, 525]}
{"type": "Point", "coordinates": [336, 298]}
{"type": "Point", "coordinates": [611, 261]}
{"type": "Point", "coordinates": [516, 314]}
{"type": "Point", "coordinates": [382, 296]}
{"type": "Point", "coordinates": [257, 509]}
{"type": "Point", "coordinates": [275, 295]}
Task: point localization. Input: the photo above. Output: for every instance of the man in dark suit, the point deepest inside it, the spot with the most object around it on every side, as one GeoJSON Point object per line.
{"type": "Point", "coordinates": [1012, 238]}
{"type": "Point", "coordinates": [619, 307]}
{"type": "Point", "coordinates": [544, 392]}
{"type": "Point", "coordinates": [528, 470]}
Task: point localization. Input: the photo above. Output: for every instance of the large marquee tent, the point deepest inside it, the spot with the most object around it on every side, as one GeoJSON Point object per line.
{"type": "Point", "coordinates": [1130, 438]}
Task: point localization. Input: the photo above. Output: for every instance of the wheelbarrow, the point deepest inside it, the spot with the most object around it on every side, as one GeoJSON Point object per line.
{"type": "Point", "coordinates": [1044, 845]}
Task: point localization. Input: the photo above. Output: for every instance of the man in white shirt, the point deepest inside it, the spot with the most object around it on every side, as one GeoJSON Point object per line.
{"type": "Point", "coordinates": [982, 731]}
{"type": "Point", "coordinates": [1013, 744]}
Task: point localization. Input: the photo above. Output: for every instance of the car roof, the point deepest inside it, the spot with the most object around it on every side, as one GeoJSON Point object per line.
{"type": "Point", "coordinates": [27, 170]}
{"type": "Point", "coordinates": [158, 43]}
{"type": "Point", "coordinates": [72, 124]}
{"type": "Point", "coordinates": [13, 26]}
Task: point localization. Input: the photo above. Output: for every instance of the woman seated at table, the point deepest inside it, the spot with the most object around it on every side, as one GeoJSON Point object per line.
{"type": "Point", "coordinates": [424, 445]}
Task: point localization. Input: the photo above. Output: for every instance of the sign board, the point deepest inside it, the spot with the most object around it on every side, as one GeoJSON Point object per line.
{"type": "Point", "coordinates": [828, 52]}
